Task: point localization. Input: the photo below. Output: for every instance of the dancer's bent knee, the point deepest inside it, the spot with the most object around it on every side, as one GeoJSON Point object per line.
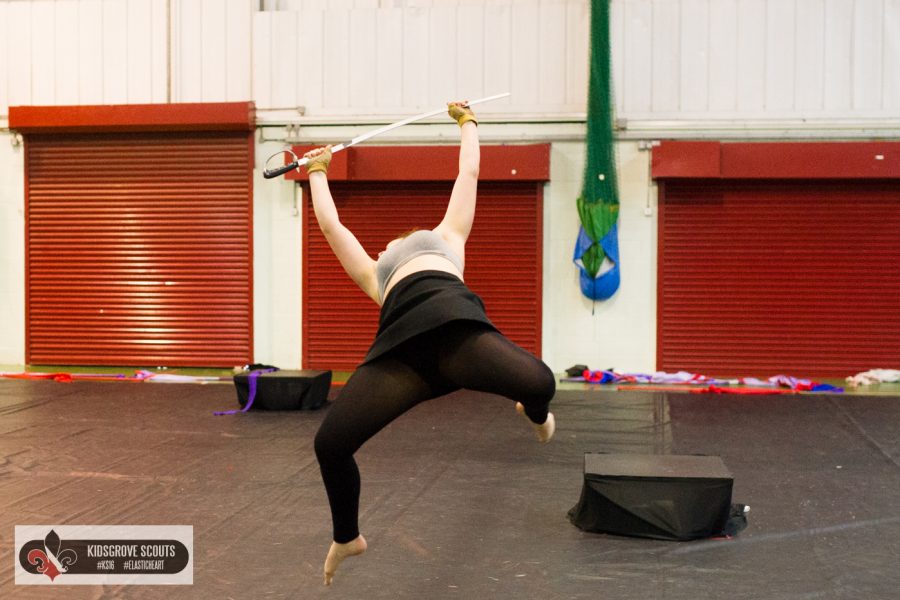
{"type": "Point", "coordinates": [540, 392]}
{"type": "Point", "coordinates": [329, 448]}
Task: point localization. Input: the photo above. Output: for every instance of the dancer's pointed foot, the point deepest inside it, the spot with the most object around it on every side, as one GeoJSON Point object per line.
{"type": "Point", "coordinates": [338, 552]}
{"type": "Point", "coordinates": [543, 430]}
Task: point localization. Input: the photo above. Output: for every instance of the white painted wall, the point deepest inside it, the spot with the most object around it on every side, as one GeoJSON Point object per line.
{"type": "Point", "coordinates": [277, 271]}
{"type": "Point", "coordinates": [12, 252]}
{"type": "Point", "coordinates": [620, 332]}
{"type": "Point", "coordinates": [699, 61]}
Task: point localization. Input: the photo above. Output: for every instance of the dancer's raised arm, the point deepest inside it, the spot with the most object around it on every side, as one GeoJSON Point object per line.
{"type": "Point", "coordinates": [358, 265]}
{"type": "Point", "coordinates": [460, 213]}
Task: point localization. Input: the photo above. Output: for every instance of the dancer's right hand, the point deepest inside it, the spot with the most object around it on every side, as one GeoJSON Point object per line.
{"type": "Point", "coordinates": [319, 159]}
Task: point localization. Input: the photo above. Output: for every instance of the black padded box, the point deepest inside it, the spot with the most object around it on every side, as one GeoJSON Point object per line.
{"type": "Point", "coordinates": [285, 390]}
{"type": "Point", "coordinates": [666, 497]}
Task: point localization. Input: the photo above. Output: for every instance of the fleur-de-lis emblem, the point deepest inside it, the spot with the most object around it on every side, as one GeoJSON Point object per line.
{"type": "Point", "coordinates": [53, 560]}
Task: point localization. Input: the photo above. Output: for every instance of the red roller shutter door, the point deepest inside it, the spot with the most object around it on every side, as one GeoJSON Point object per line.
{"type": "Point", "coordinates": [503, 262]}
{"type": "Point", "coordinates": [786, 276]}
{"type": "Point", "coordinates": [139, 248]}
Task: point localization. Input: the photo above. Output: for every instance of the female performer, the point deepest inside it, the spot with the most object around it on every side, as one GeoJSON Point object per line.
{"type": "Point", "coordinates": [433, 337]}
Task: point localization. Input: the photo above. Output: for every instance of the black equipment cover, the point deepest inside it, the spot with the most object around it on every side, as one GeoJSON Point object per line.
{"type": "Point", "coordinates": [665, 497]}
{"type": "Point", "coordinates": [285, 390]}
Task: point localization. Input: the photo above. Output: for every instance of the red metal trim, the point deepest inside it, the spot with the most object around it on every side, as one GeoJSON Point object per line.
{"type": "Point", "coordinates": [776, 160]}
{"type": "Point", "coordinates": [529, 162]}
{"type": "Point", "coordinates": [673, 159]}
{"type": "Point", "coordinates": [338, 169]}
{"type": "Point", "coordinates": [810, 160]}
{"type": "Point", "coordinates": [216, 116]}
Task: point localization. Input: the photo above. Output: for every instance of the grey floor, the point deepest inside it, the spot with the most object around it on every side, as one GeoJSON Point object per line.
{"type": "Point", "coordinates": [458, 500]}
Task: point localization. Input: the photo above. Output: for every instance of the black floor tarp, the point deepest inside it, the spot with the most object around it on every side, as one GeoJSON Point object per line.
{"type": "Point", "coordinates": [459, 501]}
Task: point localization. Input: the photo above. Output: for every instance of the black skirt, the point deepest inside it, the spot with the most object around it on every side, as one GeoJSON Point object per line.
{"type": "Point", "coordinates": [421, 302]}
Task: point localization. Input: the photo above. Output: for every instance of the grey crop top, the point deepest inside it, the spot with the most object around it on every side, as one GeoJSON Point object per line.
{"type": "Point", "coordinates": [415, 244]}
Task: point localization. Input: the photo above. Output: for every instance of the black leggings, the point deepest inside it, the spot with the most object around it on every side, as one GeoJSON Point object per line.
{"type": "Point", "coordinates": [460, 354]}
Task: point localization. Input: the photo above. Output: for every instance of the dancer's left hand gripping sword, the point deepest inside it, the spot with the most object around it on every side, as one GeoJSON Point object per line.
{"type": "Point", "coordinates": [299, 162]}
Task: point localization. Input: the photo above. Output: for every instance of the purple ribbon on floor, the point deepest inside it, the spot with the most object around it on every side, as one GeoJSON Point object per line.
{"type": "Point", "coordinates": [252, 376]}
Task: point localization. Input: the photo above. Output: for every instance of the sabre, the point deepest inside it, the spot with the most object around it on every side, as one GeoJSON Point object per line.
{"type": "Point", "coordinates": [299, 162]}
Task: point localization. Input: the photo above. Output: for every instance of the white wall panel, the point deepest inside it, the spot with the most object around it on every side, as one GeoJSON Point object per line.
{"type": "Point", "coordinates": [525, 54]}
{"type": "Point", "coordinates": [723, 71]}
{"type": "Point", "coordinates": [4, 57]}
{"type": "Point", "coordinates": [336, 65]}
{"type": "Point", "coordinates": [115, 52]}
{"type": "Point", "coordinates": [637, 87]}
{"type": "Point", "coordinates": [665, 55]}
{"type": "Point", "coordinates": [868, 64]}
{"type": "Point", "coordinates": [18, 43]}
{"type": "Point", "coordinates": [239, 50]}
{"type": "Point", "coordinates": [213, 78]}
{"type": "Point", "coordinates": [809, 74]}
{"type": "Point", "coordinates": [695, 56]}
{"type": "Point", "coordinates": [892, 54]}
{"type": "Point", "coordinates": [284, 44]}
{"type": "Point", "coordinates": [308, 68]}
{"type": "Point", "coordinates": [187, 84]}
{"type": "Point", "coordinates": [673, 59]}
{"type": "Point", "coordinates": [497, 47]}
{"type": "Point", "coordinates": [90, 52]}
{"type": "Point", "coordinates": [139, 51]}
{"type": "Point", "coordinates": [469, 44]}
{"type": "Point", "coordinates": [757, 59]}
{"type": "Point", "coordinates": [577, 44]}
{"type": "Point", "coordinates": [751, 57]}
{"type": "Point", "coordinates": [552, 54]}
{"type": "Point", "coordinates": [160, 48]}
{"type": "Point", "coordinates": [363, 43]}
{"type": "Point", "coordinates": [389, 48]}
{"type": "Point", "coordinates": [262, 58]}
{"type": "Point", "coordinates": [780, 28]}
{"type": "Point", "coordinates": [425, 53]}
{"type": "Point", "coordinates": [415, 58]}
{"type": "Point", "coordinates": [43, 52]}
{"type": "Point", "coordinates": [838, 55]}
{"type": "Point", "coordinates": [443, 55]}
{"type": "Point", "coordinates": [65, 20]}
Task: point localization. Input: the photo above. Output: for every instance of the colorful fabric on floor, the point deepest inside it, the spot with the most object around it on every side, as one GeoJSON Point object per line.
{"type": "Point", "coordinates": [776, 382]}
{"type": "Point", "coordinates": [139, 376]}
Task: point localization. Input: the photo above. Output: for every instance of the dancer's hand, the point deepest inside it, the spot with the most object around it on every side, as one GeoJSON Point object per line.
{"type": "Point", "coordinates": [319, 159]}
{"type": "Point", "coordinates": [461, 113]}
